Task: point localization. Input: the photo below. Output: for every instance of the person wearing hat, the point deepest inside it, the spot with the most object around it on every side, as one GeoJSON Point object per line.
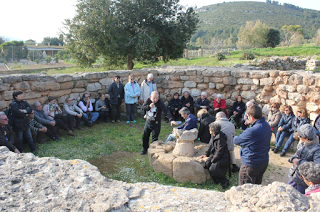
{"type": "Point", "coordinates": [308, 150]}
{"type": "Point", "coordinates": [54, 112]}
{"type": "Point", "coordinates": [310, 174]}
{"type": "Point", "coordinates": [219, 104]}
{"type": "Point", "coordinates": [116, 92]}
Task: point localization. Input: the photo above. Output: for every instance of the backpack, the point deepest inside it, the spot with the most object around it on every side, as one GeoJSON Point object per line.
{"type": "Point", "coordinates": [10, 116]}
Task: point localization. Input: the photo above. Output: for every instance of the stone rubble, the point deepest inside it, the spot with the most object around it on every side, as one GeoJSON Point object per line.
{"type": "Point", "coordinates": [30, 183]}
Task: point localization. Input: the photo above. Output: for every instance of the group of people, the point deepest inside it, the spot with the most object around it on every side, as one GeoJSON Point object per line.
{"type": "Point", "coordinates": [31, 122]}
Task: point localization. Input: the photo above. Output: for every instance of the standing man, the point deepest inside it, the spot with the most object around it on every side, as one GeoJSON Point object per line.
{"type": "Point", "coordinates": [202, 103]}
{"type": "Point", "coordinates": [229, 130]}
{"type": "Point", "coordinates": [6, 135]}
{"type": "Point", "coordinates": [255, 145]}
{"type": "Point", "coordinates": [116, 92]}
{"type": "Point", "coordinates": [87, 108]}
{"type": "Point", "coordinates": [153, 106]}
{"type": "Point", "coordinates": [147, 87]}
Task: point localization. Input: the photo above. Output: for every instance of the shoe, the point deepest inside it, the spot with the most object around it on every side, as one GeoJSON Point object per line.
{"type": "Point", "coordinates": [225, 185]}
{"type": "Point", "coordinates": [144, 151]}
{"type": "Point", "coordinates": [70, 133]}
{"type": "Point", "coordinates": [118, 121]}
{"type": "Point", "coordinates": [98, 122]}
{"type": "Point", "coordinates": [235, 168]}
{"type": "Point", "coordinates": [58, 138]}
{"type": "Point", "coordinates": [113, 121]}
{"type": "Point", "coordinates": [134, 121]}
{"type": "Point", "coordinates": [72, 129]}
{"type": "Point", "coordinates": [36, 151]}
{"type": "Point", "coordinates": [55, 139]}
{"type": "Point", "coordinates": [282, 154]}
{"type": "Point", "coordinates": [275, 150]}
{"type": "Point", "coordinates": [128, 122]}
{"type": "Point", "coordinates": [79, 128]}
{"type": "Point", "coordinates": [106, 121]}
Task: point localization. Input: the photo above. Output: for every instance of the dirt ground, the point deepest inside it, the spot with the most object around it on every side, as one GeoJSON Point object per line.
{"type": "Point", "coordinates": [278, 167]}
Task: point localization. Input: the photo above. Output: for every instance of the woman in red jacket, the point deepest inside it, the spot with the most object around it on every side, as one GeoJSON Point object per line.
{"type": "Point", "coordinates": [219, 104]}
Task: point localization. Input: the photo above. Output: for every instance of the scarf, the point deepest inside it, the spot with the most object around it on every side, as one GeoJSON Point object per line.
{"type": "Point", "coordinates": [312, 187]}
{"type": "Point", "coordinates": [51, 106]}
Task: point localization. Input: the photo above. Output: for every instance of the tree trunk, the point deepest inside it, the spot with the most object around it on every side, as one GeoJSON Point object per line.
{"type": "Point", "coordinates": [130, 63]}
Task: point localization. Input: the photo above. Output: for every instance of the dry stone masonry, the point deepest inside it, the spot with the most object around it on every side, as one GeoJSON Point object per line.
{"type": "Point", "coordinates": [30, 183]}
{"type": "Point", "coordinates": [265, 86]}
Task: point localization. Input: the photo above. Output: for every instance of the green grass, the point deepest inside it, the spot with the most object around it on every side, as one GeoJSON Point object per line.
{"type": "Point", "coordinates": [98, 142]}
{"type": "Point", "coordinates": [304, 50]}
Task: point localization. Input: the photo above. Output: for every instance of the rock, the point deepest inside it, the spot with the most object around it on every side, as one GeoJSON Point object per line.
{"type": "Point", "coordinates": [80, 84]}
{"type": "Point", "coordinates": [195, 92]}
{"type": "Point", "coordinates": [245, 81]}
{"type": "Point", "coordinates": [94, 87]}
{"type": "Point", "coordinates": [66, 85]}
{"type": "Point", "coordinates": [295, 79]}
{"type": "Point", "coordinates": [163, 163]}
{"type": "Point", "coordinates": [267, 81]}
{"type": "Point", "coordinates": [248, 95]}
{"type": "Point", "coordinates": [185, 139]}
{"type": "Point", "coordinates": [190, 84]}
{"type": "Point", "coordinates": [186, 170]}
{"type": "Point", "coordinates": [63, 78]}
{"type": "Point", "coordinates": [258, 74]}
{"type": "Point", "coordinates": [21, 85]}
{"type": "Point", "coordinates": [229, 81]}
{"type": "Point", "coordinates": [313, 107]}
{"type": "Point", "coordinates": [212, 85]}
{"type": "Point", "coordinates": [302, 89]}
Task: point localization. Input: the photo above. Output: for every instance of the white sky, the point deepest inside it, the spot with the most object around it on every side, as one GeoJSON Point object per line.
{"type": "Point", "coordinates": [36, 19]}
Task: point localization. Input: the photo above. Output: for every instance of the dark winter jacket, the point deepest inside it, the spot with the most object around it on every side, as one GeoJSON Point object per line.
{"type": "Point", "coordinates": [8, 139]}
{"type": "Point", "coordinates": [21, 120]}
{"type": "Point", "coordinates": [286, 121]}
{"type": "Point", "coordinates": [175, 103]}
{"type": "Point", "coordinates": [185, 101]}
{"type": "Point", "coordinates": [297, 122]}
{"type": "Point", "coordinates": [114, 92]}
{"type": "Point", "coordinates": [157, 114]}
{"type": "Point", "coordinates": [190, 123]}
{"type": "Point", "coordinates": [238, 107]}
{"type": "Point", "coordinates": [203, 132]}
{"type": "Point", "coordinates": [41, 117]}
{"type": "Point", "coordinates": [199, 103]}
{"type": "Point", "coordinates": [255, 144]}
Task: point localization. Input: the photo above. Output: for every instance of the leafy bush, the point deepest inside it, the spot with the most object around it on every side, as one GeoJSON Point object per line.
{"type": "Point", "coordinates": [220, 56]}
{"type": "Point", "coordinates": [65, 57]}
{"type": "Point", "coordinates": [48, 59]}
{"type": "Point", "coordinates": [37, 61]}
{"type": "Point", "coordinates": [56, 58]}
{"type": "Point", "coordinates": [247, 56]}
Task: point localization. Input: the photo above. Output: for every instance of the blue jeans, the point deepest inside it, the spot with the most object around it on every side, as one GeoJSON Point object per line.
{"type": "Point", "coordinates": [280, 136]}
{"type": "Point", "coordinates": [171, 138]}
{"type": "Point", "coordinates": [130, 110]}
{"type": "Point", "coordinates": [300, 188]}
{"type": "Point", "coordinates": [288, 144]}
{"type": "Point", "coordinates": [94, 116]}
{"type": "Point", "coordinates": [28, 136]}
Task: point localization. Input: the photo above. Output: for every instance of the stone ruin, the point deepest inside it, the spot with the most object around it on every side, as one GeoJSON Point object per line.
{"type": "Point", "coordinates": [30, 183]}
{"type": "Point", "coordinates": [180, 160]}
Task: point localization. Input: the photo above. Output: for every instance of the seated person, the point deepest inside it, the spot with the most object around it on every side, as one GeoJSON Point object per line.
{"type": "Point", "coordinates": [284, 127]}
{"type": "Point", "coordinates": [174, 106]}
{"type": "Point", "coordinates": [190, 122]}
{"type": "Point", "coordinates": [238, 109]}
{"type": "Point", "coordinates": [102, 106]}
{"type": "Point", "coordinates": [187, 101]}
{"type": "Point", "coordinates": [317, 124]}
{"type": "Point", "coordinates": [43, 119]}
{"type": "Point", "coordinates": [219, 104]}
{"type": "Point", "coordinates": [300, 119]}
{"type": "Point", "coordinates": [245, 120]}
{"type": "Point", "coordinates": [87, 108]}
{"type": "Point", "coordinates": [71, 110]}
{"type": "Point", "coordinates": [202, 103]}
{"type": "Point", "coordinates": [274, 117]}
{"type": "Point", "coordinates": [6, 135]}
{"type": "Point", "coordinates": [205, 121]}
{"type": "Point", "coordinates": [54, 112]}
{"type": "Point", "coordinates": [38, 129]}
{"type": "Point", "coordinates": [310, 173]}
{"type": "Point", "coordinates": [217, 156]}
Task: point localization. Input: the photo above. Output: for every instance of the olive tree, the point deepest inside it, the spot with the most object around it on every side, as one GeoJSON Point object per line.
{"type": "Point", "coordinates": [123, 30]}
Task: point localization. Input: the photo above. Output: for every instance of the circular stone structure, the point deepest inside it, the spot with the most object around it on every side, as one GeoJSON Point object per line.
{"type": "Point", "coordinates": [181, 168]}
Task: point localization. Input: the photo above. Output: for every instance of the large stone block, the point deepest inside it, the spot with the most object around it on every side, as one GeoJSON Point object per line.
{"type": "Point", "coordinates": [195, 92]}
{"type": "Point", "coordinates": [295, 79]}
{"type": "Point", "coordinates": [267, 81]}
{"type": "Point", "coordinates": [313, 107]}
{"type": "Point", "coordinates": [31, 95]}
{"type": "Point", "coordinates": [212, 85]}
{"type": "Point", "coordinates": [290, 88]}
{"type": "Point", "coordinates": [4, 87]}
{"type": "Point", "coordinates": [274, 74]}
{"type": "Point", "coordinates": [66, 85]}
{"type": "Point", "coordinates": [203, 86]}
{"type": "Point", "coordinates": [186, 170]}
{"type": "Point", "coordinates": [190, 84]}
{"type": "Point", "coordinates": [59, 93]}
{"type": "Point", "coordinates": [63, 78]}
{"type": "Point", "coordinates": [3, 105]}
{"type": "Point", "coordinates": [221, 73]}
{"type": "Point", "coordinates": [296, 97]}
{"type": "Point", "coordinates": [151, 154]}
{"type": "Point", "coordinates": [184, 78]}
{"type": "Point", "coordinates": [163, 163]}
{"type": "Point", "coordinates": [248, 95]}
{"type": "Point", "coordinates": [245, 81]}
{"type": "Point", "coordinates": [106, 81]}
{"type": "Point", "coordinates": [94, 87]}
{"type": "Point", "coordinates": [281, 93]}
{"type": "Point", "coordinates": [303, 89]}
{"type": "Point", "coordinates": [197, 79]}
{"type": "Point", "coordinates": [256, 81]}
{"type": "Point", "coordinates": [21, 86]}
{"type": "Point", "coordinates": [309, 80]}
{"type": "Point", "coordinates": [216, 80]}
{"type": "Point", "coordinates": [239, 73]}
{"type": "Point", "coordinates": [80, 84]}
{"type": "Point", "coordinates": [229, 81]}
{"type": "Point", "coordinates": [258, 74]}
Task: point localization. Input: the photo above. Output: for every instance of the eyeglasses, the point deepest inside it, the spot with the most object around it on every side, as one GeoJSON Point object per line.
{"type": "Point", "coordinates": [274, 107]}
{"type": "Point", "coordinates": [299, 112]}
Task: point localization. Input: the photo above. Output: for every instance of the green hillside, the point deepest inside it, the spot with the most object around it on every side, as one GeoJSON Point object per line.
{"type": "Point", "coordinates": [221, 20]}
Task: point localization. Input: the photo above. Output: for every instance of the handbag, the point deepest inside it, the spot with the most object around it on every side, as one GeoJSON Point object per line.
{"type": "Point", "coordinates": [296, 136]}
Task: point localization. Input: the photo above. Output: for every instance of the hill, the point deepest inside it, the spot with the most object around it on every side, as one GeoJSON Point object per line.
{"type": "Point", "coordinates": [221, 20]}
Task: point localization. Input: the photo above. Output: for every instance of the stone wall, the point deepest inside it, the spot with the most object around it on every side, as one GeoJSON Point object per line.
{"type": "Point", "coordinates": [30, 183]}
{"type": "Point", "coordinates": [286, 87]}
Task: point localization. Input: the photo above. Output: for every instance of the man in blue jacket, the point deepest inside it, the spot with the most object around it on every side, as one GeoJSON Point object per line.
{"type": "Point", "coordinates": [255, 145]}
{"type": "Point", "coordinates": [190, 122]}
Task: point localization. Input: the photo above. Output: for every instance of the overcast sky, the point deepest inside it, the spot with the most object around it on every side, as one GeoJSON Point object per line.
{"type": "Point", "coordinates": [36, 19]}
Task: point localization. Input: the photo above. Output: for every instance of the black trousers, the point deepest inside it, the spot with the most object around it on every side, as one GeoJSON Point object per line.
{"type": "Point", "coordinates": [103, 115]}
{"type": "Point", "coordinates": [51, 131]}
{"type": "Point", "coordinates": [117, 108]}
{"type": "Point", "coordinates": [130, 111]}
{"type": "Point", "coordinates": [175, 113]}
{"type": "Point", "coordinates": [251, 175]}
{"type": "Point", "coordinates": [148, 128]}
{"type": "Point", "coordinates": [70, 121]}
{"type": "Point", "coordinates": [61, 121]}
{"type": "Point", "coordinates": [237, 117]}
{"type": "Point", "coordinates": [38, 136]}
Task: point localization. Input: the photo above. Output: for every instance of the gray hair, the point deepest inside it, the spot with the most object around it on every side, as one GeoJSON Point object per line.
{"type": "Point", "coordinates": [220, 96]}
{"type": "Point", "coordinates": [150, 75]}
{"type": "Point", "coordinates": [184, 110]}
{"type": "Point", "coordinates": [215, 128]}
{"type": "Point", "coordinates": [307, 131]}
{"type": "Point", "coordinates": [221, 115]}
{"type": "Point", "coordinates": [36, 103]}
{"type": "Point", "coordinates": [310, 171]}
{"type": "Point", "coordinates": [2, 114]}
{"type": "Point", "coordinates": [204, 93]}
{"type": "Point", "coordinates": [249, 104]}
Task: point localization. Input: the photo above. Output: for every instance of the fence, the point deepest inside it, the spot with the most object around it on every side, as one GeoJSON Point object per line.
{"type": "Point", "coordinates": [204, 52]}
